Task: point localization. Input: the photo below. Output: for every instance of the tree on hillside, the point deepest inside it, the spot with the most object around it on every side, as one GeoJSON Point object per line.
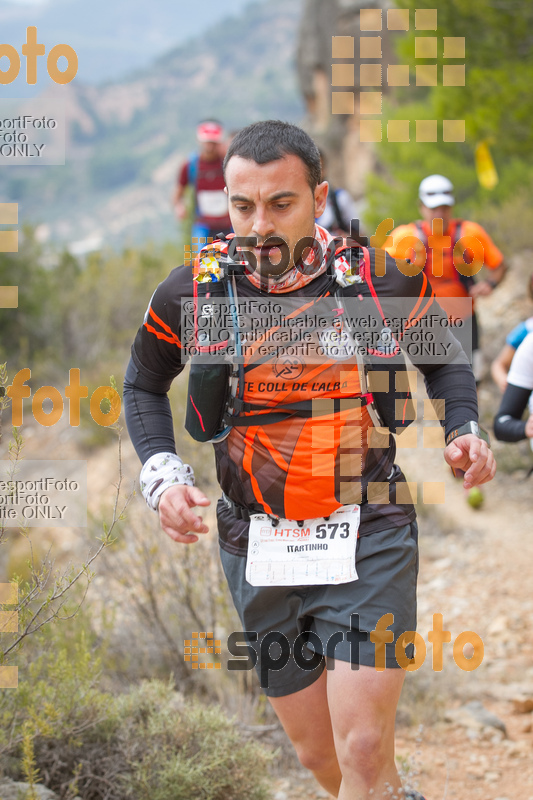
{"type": "Point", "coordinates": [496, 104]}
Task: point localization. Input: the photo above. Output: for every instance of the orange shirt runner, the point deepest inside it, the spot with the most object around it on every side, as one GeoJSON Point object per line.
{"type": "Point", "coordinates": [458, 252]}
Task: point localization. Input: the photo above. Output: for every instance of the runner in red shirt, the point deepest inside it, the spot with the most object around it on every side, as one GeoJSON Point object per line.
{"type": "Point", "coordinates": [204, 173]}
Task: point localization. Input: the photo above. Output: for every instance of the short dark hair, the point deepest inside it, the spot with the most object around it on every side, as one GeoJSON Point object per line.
{"type": "Point", "coordinates": [273, 139]}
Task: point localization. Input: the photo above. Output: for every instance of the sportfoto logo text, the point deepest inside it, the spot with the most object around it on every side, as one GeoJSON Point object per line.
{"type": "Point", "coordinates": [275, 650]}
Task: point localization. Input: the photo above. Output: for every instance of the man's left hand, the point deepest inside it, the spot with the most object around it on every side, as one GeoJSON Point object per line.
{"type": "Point", "coordinates": [481, 289]}
{"type": "Point", "coordinates": [472, 455]}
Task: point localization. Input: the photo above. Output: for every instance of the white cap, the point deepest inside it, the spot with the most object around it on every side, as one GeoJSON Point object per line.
{"type": "Point", "coordinates": [435, 191]}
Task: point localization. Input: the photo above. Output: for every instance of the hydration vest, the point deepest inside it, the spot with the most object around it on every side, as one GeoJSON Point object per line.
{"type": "Point", "coordinates": [449, 271]}
{"type": "Point", "coordinates": [215, 392]}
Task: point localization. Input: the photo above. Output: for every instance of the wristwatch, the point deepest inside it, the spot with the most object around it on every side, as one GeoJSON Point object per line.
{"type": "Point", "coordinates": [468, 427]}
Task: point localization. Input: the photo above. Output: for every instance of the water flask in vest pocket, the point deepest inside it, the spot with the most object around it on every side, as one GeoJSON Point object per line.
{"type": "Point", "coordinates": [209, 376]}
{"type": "Point", "coordinates": [207, 396]}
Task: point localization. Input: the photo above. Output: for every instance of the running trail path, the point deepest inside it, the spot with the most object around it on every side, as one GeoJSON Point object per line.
{"type": "Point", "coordinates": [467, 734]}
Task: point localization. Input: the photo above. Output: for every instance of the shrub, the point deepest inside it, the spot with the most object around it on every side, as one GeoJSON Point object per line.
{"type": "Point", "coordinates": [146, 743]}
{"type": "Point", "coordinates": [194, 752]}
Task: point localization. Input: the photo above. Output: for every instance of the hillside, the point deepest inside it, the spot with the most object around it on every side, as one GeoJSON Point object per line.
{"type": "Point", "coordinates": [106, 35]}
{"type": "Point", "coordinates": [127, 138]}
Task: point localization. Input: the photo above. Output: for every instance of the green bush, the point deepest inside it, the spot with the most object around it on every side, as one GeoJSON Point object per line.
{"type": "Point", "coordinates": [147, 743]}
{"type": "Point", "coordinates": [53, 330]}
{"type": "Point", "coordinates": [151, 745]}
{"type": "Point", "coordinates": [192, 751]}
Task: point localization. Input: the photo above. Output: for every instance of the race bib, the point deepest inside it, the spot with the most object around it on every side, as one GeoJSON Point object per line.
{"type": "Point", "coordinates": [321, 551]}
{"type": "Point", "coordinates": [212, 203]}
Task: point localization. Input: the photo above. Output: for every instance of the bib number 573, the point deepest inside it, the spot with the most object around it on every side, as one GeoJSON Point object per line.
{"type": "Point", "coordinates": [331, 528]}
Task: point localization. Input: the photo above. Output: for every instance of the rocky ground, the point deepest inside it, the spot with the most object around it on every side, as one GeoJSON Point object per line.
{"type": "Point", "coordinates": [469, 734]}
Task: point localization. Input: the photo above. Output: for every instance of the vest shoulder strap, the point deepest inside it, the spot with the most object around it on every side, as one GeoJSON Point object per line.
{"type": "Point", "coordinates": [457, 232]}
{"type": "Point", "coordinates": [339, 219]}
{"type": "Point", "coordinates": [193, 168]}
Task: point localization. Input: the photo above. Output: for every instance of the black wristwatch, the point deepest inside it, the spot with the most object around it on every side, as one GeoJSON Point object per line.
{"type": "Point", "coordinates": [468, 427]}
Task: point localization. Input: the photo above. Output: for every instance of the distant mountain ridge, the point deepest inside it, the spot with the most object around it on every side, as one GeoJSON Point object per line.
{"type": "Point", "coordinates": [107, 35]}
{"type": "Point", "coordinates": [127, 139]}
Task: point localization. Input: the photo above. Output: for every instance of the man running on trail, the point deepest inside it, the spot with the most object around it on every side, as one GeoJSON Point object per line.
{"type": "Point", "coordinates": [298, 470]}
{"type": "Point", "coordinates": [203, 171]}
{"type": "Point", "coordinates": [508, 423]}
{"type": "Point", "coordinates": [433, 240]}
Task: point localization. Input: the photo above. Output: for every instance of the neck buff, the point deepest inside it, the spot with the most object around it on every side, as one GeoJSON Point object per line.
{"type": "Point", "coordinates": [297, 277]}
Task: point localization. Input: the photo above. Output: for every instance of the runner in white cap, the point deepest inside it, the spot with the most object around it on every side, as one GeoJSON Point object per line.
{"type": "Point", "coordinates": [445, 247]}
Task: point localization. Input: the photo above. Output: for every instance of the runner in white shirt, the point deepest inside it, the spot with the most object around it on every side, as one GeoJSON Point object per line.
{"type": "Point", "coordinates": [508, 423]}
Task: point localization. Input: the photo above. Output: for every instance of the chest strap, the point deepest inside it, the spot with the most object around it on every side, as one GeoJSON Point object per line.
{"type": "Point", "coordinates": [244, 415]}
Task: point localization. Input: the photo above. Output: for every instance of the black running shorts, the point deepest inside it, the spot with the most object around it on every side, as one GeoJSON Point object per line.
{"type": "Point", "coordinates": [291, 628]}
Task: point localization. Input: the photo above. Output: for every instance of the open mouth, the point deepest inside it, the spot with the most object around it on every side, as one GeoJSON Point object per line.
{"type": "Point", "coordinates": [271, 252]}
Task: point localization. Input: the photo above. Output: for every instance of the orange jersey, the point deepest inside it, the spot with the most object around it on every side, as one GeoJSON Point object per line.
{"type": "Point", "coordinates": [442, 262]}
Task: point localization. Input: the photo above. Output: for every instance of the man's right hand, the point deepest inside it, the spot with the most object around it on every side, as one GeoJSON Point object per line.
{"type": "Point", "coordinates": [176, 515]}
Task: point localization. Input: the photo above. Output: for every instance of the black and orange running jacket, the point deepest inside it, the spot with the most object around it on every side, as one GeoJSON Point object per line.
{"type": "Point", "coordinates": [304, 467]}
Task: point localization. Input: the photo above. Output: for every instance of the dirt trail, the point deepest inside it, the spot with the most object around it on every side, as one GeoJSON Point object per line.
{"type": "Point", "coordinates": [476, 570]}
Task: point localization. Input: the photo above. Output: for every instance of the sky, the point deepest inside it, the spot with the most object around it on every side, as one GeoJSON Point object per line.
{"type": "Point", "coordinates": [106, 35]}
